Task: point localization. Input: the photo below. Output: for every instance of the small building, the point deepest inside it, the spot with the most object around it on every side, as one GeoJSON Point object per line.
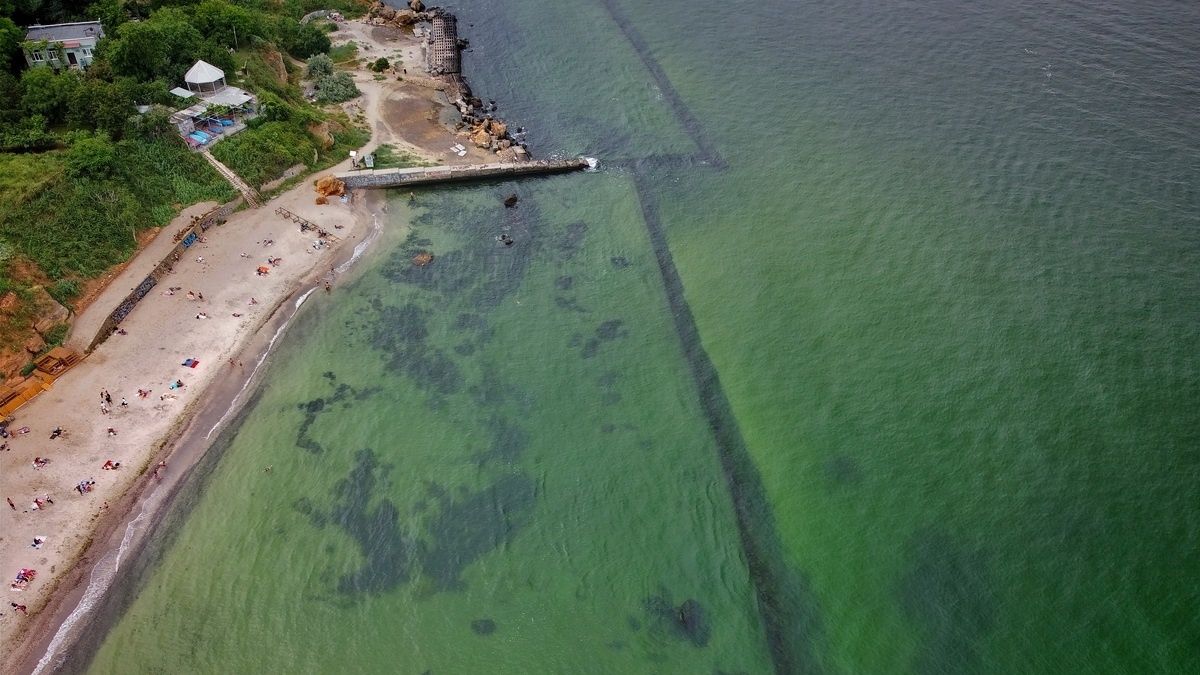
{"type": "Point", "coordinates": [62, 45]}
{"type": "Point", "coordinates": [208, 82]}
{"type": "Point", "coordinates": [200, 124]}
{"type": "Point", "coordinates": [204, 77]}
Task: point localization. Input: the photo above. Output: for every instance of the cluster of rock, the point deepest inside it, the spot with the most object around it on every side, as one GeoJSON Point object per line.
{"type": "Point", "coordinates": [442, 61]}
{"type": "Point", "coordinates": [381, 15]}
{"type": "Point", "coordinates": [46, 313]}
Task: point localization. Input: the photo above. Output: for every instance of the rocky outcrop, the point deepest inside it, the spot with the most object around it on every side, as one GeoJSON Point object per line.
{"type": "Point", "coordinates": [443, 50]}
{"type": "Point", "coordinates": [274, 60]}
{"type": "Point", "coordinates": [382, 15]}
{"type": "Point", "coordinates": [35, 344]}
{"type": "Point", "coordinates": [322, 133]}
{"type": "Point", "coordinates": [50, 313]}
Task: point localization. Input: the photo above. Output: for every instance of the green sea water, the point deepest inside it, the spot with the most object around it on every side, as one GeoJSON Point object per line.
{"type": "Point", "coordinates": [872, 348]}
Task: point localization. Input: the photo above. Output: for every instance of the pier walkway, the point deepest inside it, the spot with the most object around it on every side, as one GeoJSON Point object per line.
{"type": "Point", "coordinates": [385, 178]}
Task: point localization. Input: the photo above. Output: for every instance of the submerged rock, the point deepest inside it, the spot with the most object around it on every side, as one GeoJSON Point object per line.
{"type": "Point", "coordinates": [483, 626]}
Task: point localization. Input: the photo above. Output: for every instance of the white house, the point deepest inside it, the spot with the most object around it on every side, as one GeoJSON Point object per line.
{"type": "Point", "coordinates": [63, 45]}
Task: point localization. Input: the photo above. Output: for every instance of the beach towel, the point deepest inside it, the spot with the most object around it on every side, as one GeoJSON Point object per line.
{"type": "Point", "coordinates": [187, 363]}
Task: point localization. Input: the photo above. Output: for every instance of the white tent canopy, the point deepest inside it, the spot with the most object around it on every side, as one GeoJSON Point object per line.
{"type": "Point", "coordinates": [204, 76]}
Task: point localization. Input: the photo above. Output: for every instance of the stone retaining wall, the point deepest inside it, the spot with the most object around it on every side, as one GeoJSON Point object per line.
{"type": "Point", "coordinates": [187, 237]}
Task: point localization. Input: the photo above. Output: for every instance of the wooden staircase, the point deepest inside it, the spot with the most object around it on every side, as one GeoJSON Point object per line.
{"type": "Point", "coordinates": [251, 195]}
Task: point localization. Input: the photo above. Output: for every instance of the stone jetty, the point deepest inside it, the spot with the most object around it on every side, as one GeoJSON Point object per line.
{"type": "Point", "coordinates": [412, 177]}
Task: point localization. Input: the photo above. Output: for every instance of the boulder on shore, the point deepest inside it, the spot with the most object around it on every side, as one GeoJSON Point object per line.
{"type": "Point", "coordinates": [481, 138]}
{"type": "Point", "coordinates": [416, 6]}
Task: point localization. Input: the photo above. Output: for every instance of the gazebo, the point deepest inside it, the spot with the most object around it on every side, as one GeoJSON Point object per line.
{"type": "Point", "coordinates": [204, 77]}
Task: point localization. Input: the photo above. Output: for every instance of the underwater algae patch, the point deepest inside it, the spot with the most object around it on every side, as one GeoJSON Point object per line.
{"type": "Point", "coordinates": [462, 529]}
{"type": "Point", "coordinates": [948, 591]}
{"type": "Point", "coordinates": [342, 393]}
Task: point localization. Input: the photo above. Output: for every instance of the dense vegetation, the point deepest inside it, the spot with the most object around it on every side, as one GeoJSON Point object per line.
{"type": "Point", "coordinates": [82, 172]}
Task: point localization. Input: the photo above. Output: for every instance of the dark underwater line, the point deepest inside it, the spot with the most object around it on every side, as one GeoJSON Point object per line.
{"type": "Point", "coordinates": [785, 600]}
{"type": "Point", "coordinates": [690, 124]}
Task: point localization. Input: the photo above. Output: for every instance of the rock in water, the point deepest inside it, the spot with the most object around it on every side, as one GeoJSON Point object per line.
{"type": "Point", "coordinates": [416, 6]}
{"type": "Point", "coordinates": [483, 626]}
{"type": "Point", "coordinates": [691, 622]}
{"type": "Point", "coordinates": [510, 201]}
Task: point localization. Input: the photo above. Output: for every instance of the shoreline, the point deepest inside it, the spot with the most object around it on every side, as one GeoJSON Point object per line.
{"type": "Point", "coordinates": [56, 635]}
{"type": "Point", "coordinates": [86, 554]}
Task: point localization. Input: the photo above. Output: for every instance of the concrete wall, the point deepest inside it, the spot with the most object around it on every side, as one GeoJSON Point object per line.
{"type": "Point", "coordinates": [382, 178]}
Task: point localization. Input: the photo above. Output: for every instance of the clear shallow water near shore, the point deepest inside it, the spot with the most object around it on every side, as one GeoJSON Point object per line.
{"type": "Point", "coordinates": [943, 260]}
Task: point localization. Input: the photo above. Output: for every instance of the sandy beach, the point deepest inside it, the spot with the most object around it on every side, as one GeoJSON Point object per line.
{"type": "Point", "coordinates": [216, 309]}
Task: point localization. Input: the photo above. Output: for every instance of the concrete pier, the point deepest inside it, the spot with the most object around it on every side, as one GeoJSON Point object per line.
{"type": "Point", "coordinates": [385, 178]}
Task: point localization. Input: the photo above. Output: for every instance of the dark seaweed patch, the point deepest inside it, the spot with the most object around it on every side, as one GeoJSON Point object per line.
{"type": "Point", "coordinates": [611, 330]}
{"type": "Point", "coordinates": [399, 328]}
{"type": "Point", "coordinates": [590, 348]}
{"type": "Point", "coordinates": [949, 591]}
{"type": "Point", "coordinates": [483, 626]}
{"type": "Point", "coordinates": [468, 527]}
{"type": "Point", "coordinates": [312, 409]}
{"type": "Point", "coordinates": [843, 470]}
{"type": "Point", "coordinates": [464, 349]}
{"type": "Point", "coordinates": [564, 283]}
{"type": "Point", "coordinates": [569, 304]}
{"type": "Point", "coordinates": [470, 322]}
{"type": "Point", "coordinates": [508, 442]}
{"type": "Point", "coordinates": [572, 239]}
{"type": "Point", "coordinates": [387, 551]}
{"type": "Point", "coordinates": [619, 262]}
{"type": "Point", "coordinates": [687, 621]}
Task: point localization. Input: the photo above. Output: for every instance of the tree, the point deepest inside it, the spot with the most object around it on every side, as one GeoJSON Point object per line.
{"type": "Point", "coordinates": [381, 64]}
{"type": "Point", "coordinates": [92, 156]}
{"type": "Point", "coordinates": [165, 45]}
{"type": "Point", "coordinates": [11, 36]}
{"type": "Point", "coordinates": [48, 93]}
{"type": "Point", "coordinates": [301, 40]}
{"type": "Point", "coordinates": [225, 24]}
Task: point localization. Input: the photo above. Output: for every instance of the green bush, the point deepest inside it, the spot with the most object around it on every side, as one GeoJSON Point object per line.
{"type": "Point", "coordinates": [29, 134]}
{"type": "Point", "coordinates": [64, 291]}
{"type": "Point", "coordinates": [320, 66]}
{"type": "Point", "coordinates": [381, 64]}
{"type": "Point", "coordinates": [302, 41]}
{"type": "Point", "coordinates": [92, 157]}
{"type": "Point", "coordinates": [336, 88]}
{"type": "Point", "coordinates": [28, 368]}
{"type": "Point", "coordinates": [260, 154]}
{"type": "Point", "coordinates": [57, 334]}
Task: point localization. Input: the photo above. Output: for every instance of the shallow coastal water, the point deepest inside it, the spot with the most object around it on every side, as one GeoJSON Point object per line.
{"type": "Point", "coordinates": [943, 262]}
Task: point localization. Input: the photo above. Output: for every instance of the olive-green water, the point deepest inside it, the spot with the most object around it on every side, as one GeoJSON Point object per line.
{"type": "Point", "coordinates": [872, 348]}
